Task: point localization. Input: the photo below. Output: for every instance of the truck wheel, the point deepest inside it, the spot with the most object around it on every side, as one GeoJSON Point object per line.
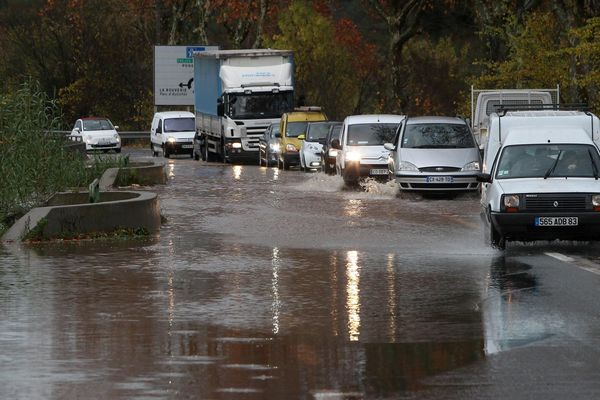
{"type": "Point", "coordinates": [223, 153]}
{"type": "Point", "coordinates": [259, 159]}
{"type": "Point", "coordinates": [204, 150]}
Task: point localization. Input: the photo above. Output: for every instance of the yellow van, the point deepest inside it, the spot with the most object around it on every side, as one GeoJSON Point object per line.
{"type": "Point", "coordinates": [293, 130]}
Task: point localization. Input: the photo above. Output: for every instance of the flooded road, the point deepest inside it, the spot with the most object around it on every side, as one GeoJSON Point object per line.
{"type": "Point", "coordinates": [268, 284]}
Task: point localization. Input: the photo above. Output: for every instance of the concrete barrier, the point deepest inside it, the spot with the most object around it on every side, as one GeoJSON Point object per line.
{"type": "Point", "coordinates": [70, 214]}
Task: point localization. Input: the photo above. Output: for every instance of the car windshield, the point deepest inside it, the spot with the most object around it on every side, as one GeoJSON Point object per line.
{"type": "Point", "coordinates": [295, 129]}
{"type": "Point", "coordinates": [186, 124]}
{"type": "Point", "coordinates": [437, 136]}
{"type": "Point", "coordinates": [274, 130]}
{"type": "Point", "coordinates": [371, 134]}
{"type": "Point", "coordinates": [336, 133]}
{"type": "Point", "coordinates": [548, 160]}
{"type": "Point", "coordinates": [259, 105]}
{"type": "Point", "coordinates": [317, 131]}
{"type": "Point", "coordinates": [97, 125]}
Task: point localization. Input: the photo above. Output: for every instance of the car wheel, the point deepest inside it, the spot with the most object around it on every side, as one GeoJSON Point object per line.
{"type": "Point", "coordinates": [196, 155]}
{"type": "Point", "coordinates": [165, 152]}
{"type": "Point", "coordinates": [286, 166]}
{"type": "Point", "coordinates": [279, 164]}
{"type": "Point", "coordinates": [118, 150]}
{"type": "Point", "coordinates": [497, 241]}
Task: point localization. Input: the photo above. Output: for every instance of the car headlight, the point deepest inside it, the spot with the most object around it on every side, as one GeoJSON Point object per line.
{"type": "Point", "coordinates": [472, 166]}
{"type": "Point", "coordinates": [353, 156]}
{"type": "Point", "coordinates": [274, 147]}
{"type": "Point", "coordinates": [290, 147]}
{"type": "Point", "coordinates": [171, 139]}
{"type": "Point", "coordinates": [117, 137]}
{"type": "Point", "coordinates": [332, 152]}
{"type": "Point", "coordinates": [407, 166]}
{"type": "Point", "coordinates": [511, 202]}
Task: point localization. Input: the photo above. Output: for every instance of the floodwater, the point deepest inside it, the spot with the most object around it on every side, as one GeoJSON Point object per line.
{"type": "Point", "coordinates": [262, 284]}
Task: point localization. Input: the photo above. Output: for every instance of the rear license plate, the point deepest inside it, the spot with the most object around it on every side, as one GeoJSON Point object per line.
{"type": "Point", "coordinates": [378, 172]}
{"type": "Point", "coordinates": [187, 146]}
{"type": "Point", "coordinates": [556, 221]}
{"type": "Point", "coordinates": [439, 179]}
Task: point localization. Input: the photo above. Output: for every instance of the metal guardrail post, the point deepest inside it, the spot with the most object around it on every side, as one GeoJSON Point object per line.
{"type": "Point", "coordinates": [94, 191]}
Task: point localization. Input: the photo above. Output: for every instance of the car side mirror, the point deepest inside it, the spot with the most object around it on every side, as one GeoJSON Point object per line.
{"type": "Point", "coordinates": [335, 143]}
{"type": "Point", "coordinates": [484, 178]}
{"type": "Point", "coordinates": [301, 137]}
{"type": "Point", "coordinates": [220, 109]}
{"type": "Point", "coordinates": [389, 146]}
{"type": "Point", "coordinates": [77, 130]}
{"type": "Point", "coordinates": [116, 127]}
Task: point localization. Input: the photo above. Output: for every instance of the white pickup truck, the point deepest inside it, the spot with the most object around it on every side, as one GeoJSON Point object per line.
{"type": "Point", "coordinates": [540, 177]}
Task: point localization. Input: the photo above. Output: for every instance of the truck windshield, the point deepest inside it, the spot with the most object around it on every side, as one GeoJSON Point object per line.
{"type": "Point", "coordinates": [259, 105]}
{"type": "Point", "coordinates": [317, 131]}
{"type": "Point", "coordinates": [548, 160]}
{"type": "Point", "coordinates": [372, 134]}
{"type": "Point", "coordinates": [179, 125]}
{"type": "Point", "coordinates": [437, 136]}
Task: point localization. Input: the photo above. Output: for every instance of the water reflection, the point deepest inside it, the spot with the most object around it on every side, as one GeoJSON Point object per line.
{"type": "Point", "coordinates": [353, 295]}
{"type": "Point", "coordinates": [391, 295]}
{"type": "Point", "coordinates": [237, 172]}
{"type": "Point", "coordinates": [505, 323]}
{"type": "Point", "coordinates": [354, 208]}
{"type": "Point", "coordinates": [276, 303]}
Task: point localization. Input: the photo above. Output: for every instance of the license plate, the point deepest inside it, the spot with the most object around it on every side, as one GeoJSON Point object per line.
{"type": "Point", "coordinates": [187, 146]}
{"type": "Point", "coordinates": [104, 141]}
{"type": "Point", "coordinates": [380, 171]}
{"type": "Point", "coordinates": [439, 179]}
{"type": "Point", "coordinates": [556, 221]}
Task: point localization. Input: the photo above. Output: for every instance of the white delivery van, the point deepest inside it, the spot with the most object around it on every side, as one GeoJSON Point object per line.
{"type": "Point", "coordinates": [484, 102]}
{"type": "Point", "coordinates": [360, 150]}
{"type": "Point", "coordinates": [172, 132]}
{"type": "Point", "coordinates": [540, 177]}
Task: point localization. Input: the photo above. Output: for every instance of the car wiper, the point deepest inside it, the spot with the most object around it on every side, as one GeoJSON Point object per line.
{"type": "Point", "coordinates": [551, 169]}
{"type": "Point", "coordinates": [594, 166]}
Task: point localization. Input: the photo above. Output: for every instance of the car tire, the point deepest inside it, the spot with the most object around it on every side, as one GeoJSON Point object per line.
{"type": "Point", "coordinates": [492, 237]}
{"type": "Point", "coordinates": [118, 150]}
{"type": "Point", "coordinates": [286, 166]}
{"type": "Point", "coordinates": [279, 164]}
{"type": "Point", "coordinates": [195, 155]}
{"type": "Point", "coordinates": [166, 153]}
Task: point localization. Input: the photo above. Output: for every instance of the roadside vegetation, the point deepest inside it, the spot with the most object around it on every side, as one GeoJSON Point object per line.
{"type": "Point", "coordinates": [34, 162]}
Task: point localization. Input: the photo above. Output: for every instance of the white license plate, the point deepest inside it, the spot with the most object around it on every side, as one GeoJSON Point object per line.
{"type": "Point", "coordinates": [187, 146]}
{"type": "Point", "coordinates": [439, 179]}
{"type": "Point", "coordinates": [378, 171]}
{"type": "Point", "coordinates": [556, 221]}
{"type": "Point", "coordinates": [104, 141]}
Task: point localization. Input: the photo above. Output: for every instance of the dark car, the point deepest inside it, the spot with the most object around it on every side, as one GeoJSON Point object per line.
{"type": "Point", "coordinates": [268, 146]}
{"type": "Point", "coordinates": [329, 153]}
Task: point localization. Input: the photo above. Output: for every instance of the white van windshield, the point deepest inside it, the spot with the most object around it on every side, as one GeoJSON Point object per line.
{"type": "Point", "coordinates": [437, 136]}
{"type": "Point", "coordinates": [548, 160]}
{"type": "Point", "coordinates": [179, 125]}
{"type": "Point", "coordinates": [372, 134]}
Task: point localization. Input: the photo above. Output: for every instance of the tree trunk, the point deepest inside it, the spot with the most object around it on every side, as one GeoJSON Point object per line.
{"type": "Point", "coordinates": [264, 4]}
{"type": "Point", "coordinates": [203, 7]}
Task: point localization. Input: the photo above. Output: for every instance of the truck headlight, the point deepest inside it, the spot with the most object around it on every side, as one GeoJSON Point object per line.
{"type": "Point", "coordinates": [472, 166]}
{"type": "Point", "coordinates": [407, 166]}
{"type": "Point", "coordinates": [171, 139]}
{"type": "Point", "coordinates": [596, 202]}
{"type": "Point", "coordinates": [353, 156]}
{"type": "Point", "coordinates": [290, 147]}
{"type": "Point", "coordinates": [236, 145]}
{"type": "Point", "coordinates": [511, 202]}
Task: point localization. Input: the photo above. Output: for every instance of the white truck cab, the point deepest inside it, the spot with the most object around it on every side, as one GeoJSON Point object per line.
{"type": "Point", "coordinates": [540, 177]}
{"type": "Point", "coordinates": [361, 152]}
{"type": "Point", "coordinates": [172, 132]}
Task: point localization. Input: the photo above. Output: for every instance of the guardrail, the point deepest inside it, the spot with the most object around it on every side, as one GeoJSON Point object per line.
{"type": "Point", "coordinates": [123, 134]}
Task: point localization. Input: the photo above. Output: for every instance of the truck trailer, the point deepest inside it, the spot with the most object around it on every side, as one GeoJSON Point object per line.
{"type": "Point", "coordinates": [237, 95]}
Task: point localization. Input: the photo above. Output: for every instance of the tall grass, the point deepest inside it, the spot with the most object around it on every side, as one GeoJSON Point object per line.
{"type": "Point", "coordinates": [35, 164]}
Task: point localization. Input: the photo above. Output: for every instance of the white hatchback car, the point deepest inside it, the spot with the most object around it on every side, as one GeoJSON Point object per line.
{"type": "Point", "coordinates": [312, 145]}
{"type": "Point", "coordinates": [97, 134]}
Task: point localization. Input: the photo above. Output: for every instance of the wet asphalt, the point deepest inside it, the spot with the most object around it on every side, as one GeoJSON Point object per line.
{"type": "Point", "coordinates": [269, 284]}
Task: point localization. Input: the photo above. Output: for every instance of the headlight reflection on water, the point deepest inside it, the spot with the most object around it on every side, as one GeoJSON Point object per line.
{"type": "Point", "coordinates": [353, 295]}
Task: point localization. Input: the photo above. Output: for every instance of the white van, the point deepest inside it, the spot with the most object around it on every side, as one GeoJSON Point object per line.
{"type": "Point", "coordinates": [540, 178]}
{"type": "Point", "coordinates": [172, 132]}
{"type": "Point", "coordinates": [360, 150]}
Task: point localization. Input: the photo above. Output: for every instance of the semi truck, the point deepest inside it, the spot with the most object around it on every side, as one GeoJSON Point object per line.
{"type": "Point", "coordinates": [237, 95]}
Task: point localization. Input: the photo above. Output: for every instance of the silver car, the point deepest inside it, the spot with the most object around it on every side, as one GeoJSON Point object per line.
{"type": "Point", "coordinates": [434, 154]}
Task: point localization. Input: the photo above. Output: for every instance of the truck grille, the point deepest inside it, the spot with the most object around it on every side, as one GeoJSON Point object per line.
{"type": "Point", "coordinates": [556, 202]}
